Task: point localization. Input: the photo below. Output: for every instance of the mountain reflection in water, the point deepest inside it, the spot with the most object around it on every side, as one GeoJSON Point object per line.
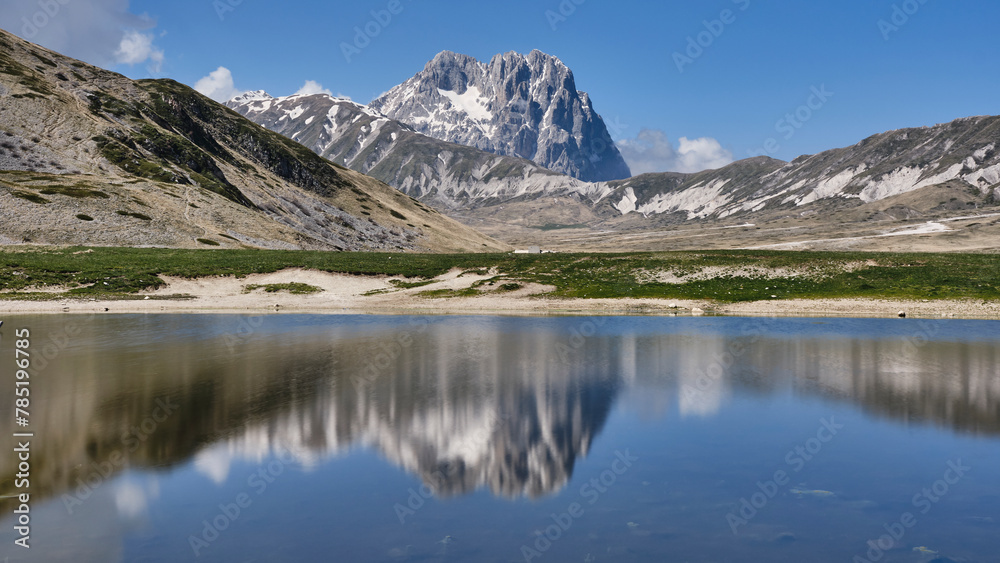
{"type": "Point", "coordinates": [464, 403]}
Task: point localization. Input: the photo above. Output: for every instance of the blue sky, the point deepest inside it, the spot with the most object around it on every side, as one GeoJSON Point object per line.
{"type": "Point", "coordinates": [927, 62]}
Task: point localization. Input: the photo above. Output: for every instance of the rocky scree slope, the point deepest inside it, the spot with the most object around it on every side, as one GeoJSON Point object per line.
{"type": "Point", "coordinates": [88, 156]}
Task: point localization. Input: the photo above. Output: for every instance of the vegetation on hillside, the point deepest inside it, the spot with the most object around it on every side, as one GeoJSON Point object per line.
{"type": "Point", "coordinates": [724, 276]}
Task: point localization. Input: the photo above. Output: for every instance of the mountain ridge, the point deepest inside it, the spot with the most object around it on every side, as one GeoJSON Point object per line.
{"type": "Point", "coordinates": [450, 175]}
{"type": "Point", "coordinates": [89, 156]}
{"type": "Point", "coordinates": [890, 176]}
{"type": "Point", "coordinates": [738, 189]}
{"type": "Point", "coordinates": [878, 167]}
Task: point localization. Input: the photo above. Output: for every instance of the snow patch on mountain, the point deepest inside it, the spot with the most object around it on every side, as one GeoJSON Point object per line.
{"type": "Point", "coordinates": [255, 96]}
{"type": "Point", "coordinates": [471, 102]}
{"type": "Point", "coordinates": [462, 178]}
{"type": "Point", "coordinates": [445, 174]}
{"type": "Point", "coordinates": [525, 106]}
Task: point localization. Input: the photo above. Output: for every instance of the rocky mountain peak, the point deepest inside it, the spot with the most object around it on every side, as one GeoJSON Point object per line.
{"type": "Point", "coordinates": [518, 105]}
{"type": "Point", "coordinates": [255, 96]}
{"type": "Point", "coordinates": [452, 71]}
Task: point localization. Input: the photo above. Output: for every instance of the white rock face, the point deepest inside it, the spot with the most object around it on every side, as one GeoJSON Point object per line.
{"type": "Point", "coordinates": [698, 201]}
{"type": "Point", "coordinates": [627, 204]}
{"type": "Point", "coordinates": [516, 105]}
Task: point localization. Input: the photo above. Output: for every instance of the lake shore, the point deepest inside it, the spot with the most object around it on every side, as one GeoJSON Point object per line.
{"type": "Point", "coordinates": [348, 294]}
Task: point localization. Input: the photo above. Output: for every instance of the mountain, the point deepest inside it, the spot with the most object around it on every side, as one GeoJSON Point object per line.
{"type": "Point", "coordinates": [451, 176]}
{"type": "Point", "coordinates": [926, 173]}
{"type": "Point", "coordinates": [88, 156]}
{"type": "Point", "coordinates": [961, 155]}
{"type": "Point", "coordinates": [957, 163]}
{"type": "Point", "coordinates": [515, 105]}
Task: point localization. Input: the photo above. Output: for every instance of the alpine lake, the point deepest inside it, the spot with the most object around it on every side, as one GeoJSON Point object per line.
{"type": "Point", "coordinates": [290, 438]}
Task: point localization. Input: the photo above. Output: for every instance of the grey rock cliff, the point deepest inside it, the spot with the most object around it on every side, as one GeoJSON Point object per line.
{"type": "Point", "coordinates": [518, 105]}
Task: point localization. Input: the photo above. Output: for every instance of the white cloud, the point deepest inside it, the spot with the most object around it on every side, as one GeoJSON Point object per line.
{"type": "Point", "coordinates": [137, 48]}
{"type": "Point", "coordinates": [100, 32]}
{"type": "Point", "coordinates": [312, 87]}
{"type": "Point", "coordinates": [652, 151]}
{"type": "Point", "coordinates": [221, 87]}
{"type": "Point", "coordinates": [218, 85]}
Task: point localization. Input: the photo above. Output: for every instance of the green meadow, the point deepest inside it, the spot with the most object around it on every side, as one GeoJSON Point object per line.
{"type": "Point", "coordinates": [724, 276]}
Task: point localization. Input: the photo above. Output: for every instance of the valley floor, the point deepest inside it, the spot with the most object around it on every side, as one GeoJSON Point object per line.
{"type": "Point", "coordinates": [350, 294]}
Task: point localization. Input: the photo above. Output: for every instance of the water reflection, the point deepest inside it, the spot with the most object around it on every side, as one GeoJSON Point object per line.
{"type": "Point", "coordinates": [504, 404]}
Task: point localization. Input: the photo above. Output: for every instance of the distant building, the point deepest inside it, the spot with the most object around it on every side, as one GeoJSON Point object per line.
{"type": "Point", "coordinates": [534, 250]}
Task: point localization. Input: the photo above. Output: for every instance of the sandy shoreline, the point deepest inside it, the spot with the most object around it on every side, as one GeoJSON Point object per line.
{"type": "Point", "coordinates": [346, 294]}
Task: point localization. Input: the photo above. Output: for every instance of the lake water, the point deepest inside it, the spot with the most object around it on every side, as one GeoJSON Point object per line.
{"type": "Point", "coordinates": [166, 438]}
